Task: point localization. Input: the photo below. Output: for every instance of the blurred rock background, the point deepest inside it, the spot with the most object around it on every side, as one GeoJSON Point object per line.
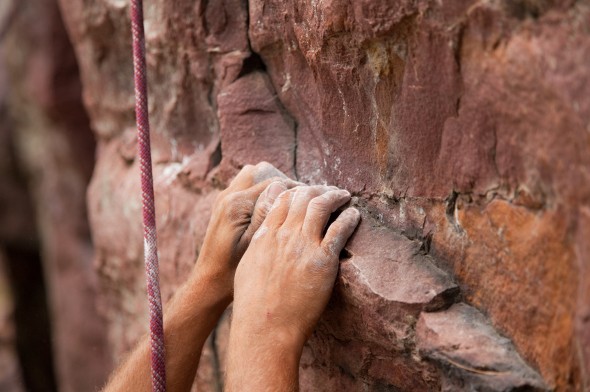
{"type": "Point", "coordinates": [461, 127]}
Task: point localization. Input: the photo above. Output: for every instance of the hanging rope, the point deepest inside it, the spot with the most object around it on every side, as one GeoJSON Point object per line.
{"type": "Point", "coordinates": [147, 194]}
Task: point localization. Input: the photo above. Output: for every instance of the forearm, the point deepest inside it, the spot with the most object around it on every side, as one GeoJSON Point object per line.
{"type": "Point", "coordinates": [191, 316]}
{"type": "Point", "coordinates": [262, 360]}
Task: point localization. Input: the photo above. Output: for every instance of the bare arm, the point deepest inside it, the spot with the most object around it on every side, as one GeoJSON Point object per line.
{"type": "Point", "coordinates": [195, 309]}
{"type": "Point", "coordinates": [282, 285]}
{"type": "Point", "coordinates": [189, 319]}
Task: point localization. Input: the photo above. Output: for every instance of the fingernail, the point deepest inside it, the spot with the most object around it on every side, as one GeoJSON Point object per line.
{"type": "Point", "coordinates": [354, 213]}
{"type": "Point", "coordinates": [343, 193]}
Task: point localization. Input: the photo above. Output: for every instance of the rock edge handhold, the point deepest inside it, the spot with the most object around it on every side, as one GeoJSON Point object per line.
{"type": "Point", "coordinates": [463, 341]}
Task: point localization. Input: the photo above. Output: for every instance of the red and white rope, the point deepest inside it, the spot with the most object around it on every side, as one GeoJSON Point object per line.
{"type": "Point", "coordinates": [158, 364]}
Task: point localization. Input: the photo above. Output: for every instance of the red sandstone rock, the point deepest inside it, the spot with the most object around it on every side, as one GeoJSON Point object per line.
{"type": "Point", "coordinates": [10, 369]}
{"type": "Point", "coordinates": [55, 152]}
{"type": "Point", "coordinates": [461, 126]}
{"type": "Point", "coordinates": [253, 125]}
{"type": "Point", "coordinates": [474, 356]}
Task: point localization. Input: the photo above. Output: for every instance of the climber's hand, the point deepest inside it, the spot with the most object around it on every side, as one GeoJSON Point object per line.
{"type": "Point", "coordinates": [237, 213]}
{"type": "Point", "coordinates": [286, 276]}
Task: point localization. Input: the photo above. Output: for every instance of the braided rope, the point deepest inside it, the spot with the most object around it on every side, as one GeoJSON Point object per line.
{"type": "Point", "coordinates": [147, 194]}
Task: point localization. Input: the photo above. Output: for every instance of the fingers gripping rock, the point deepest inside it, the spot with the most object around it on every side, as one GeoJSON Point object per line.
{"type": "Point", "coordinates": [320, 209]}
{"type": "Point", "coordinates": [300, 202]}
{"type": "Point", "coordinates": [263, 205]}
{"type": "Point", "coordinates": [339, 231]}
{"type": "Point", "coordinates": [264, 170]}
{"type": "Point", "coordinates": [253, 175]}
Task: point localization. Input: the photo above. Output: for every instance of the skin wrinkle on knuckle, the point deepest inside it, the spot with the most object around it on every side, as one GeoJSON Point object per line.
{"type": "Point", "coordinates": [239, 209]}
{"type": "Point", "coordinates": [325, 202]}
{"type": "Point", "coordinates": [263, 205]}
{"type": "Point", "coordinates": [319, 204]}
{"type": "Point", "coordinates": [306, 194]}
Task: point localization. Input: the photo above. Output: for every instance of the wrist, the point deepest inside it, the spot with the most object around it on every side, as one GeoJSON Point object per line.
{"type": "Point", "coordinates": [212, 288]}
{"type": "Point", "coordinates": [269, 354]}
{"type": "Point", "coordinates": [266, 333]}
{"type": "Point", "coordinates": [211, 270]}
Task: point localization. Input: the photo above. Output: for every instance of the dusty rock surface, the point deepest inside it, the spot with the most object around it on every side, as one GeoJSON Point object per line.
{"type": "Point", "coordinates": [462, 127]}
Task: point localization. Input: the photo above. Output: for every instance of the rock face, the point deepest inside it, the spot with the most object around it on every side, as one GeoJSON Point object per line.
{"type": "Point", "coordinates": [25, 348]}
{"type": "Point", "coordinates": [54, 150]}
{"type": "Point", "coordinates": [461, 339]}
{"type": "Point", "coordinates": [462, 127]}
{"type": "Point", "coordinates": [10, 370]}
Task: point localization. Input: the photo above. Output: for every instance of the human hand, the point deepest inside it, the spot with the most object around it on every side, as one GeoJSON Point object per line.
{"type": "Point", "coordinates": [286, 276]}
{"type": "Point", "coordinates": [237, 213]}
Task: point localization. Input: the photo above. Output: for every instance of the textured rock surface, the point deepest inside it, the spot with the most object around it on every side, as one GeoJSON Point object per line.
{"type": "Point", "coordinates": [474, 354]}
{"type": "Point", "coordinates": [461, 126]}
{"type": "Point", "coordinates": [55, 153]}
{"type": "Point", "coordinates": [21, 292]}
{"type": "Point", "coordinates": [10, 369]}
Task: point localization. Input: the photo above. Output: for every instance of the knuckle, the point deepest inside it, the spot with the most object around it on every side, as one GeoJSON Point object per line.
{"type": "Point", "coordinates": [328, 250]}
{"type": "Point", "coordinates": [246, 171]}
{"type": "Point", "coordinates": [231, 198]}
{"type": "Point", "coordinates": [322, 263]}
{"type": "Point", "coordinates": [236, 206]}
{"type": "Point", "coordinates": [223, 200]}
{"type": "Point", "coordinates": [283, 234]}
{"type": "Point", "coordinates": [309, 192]}
{"type": "Point", "coordinates": [264, 165]}
{"type": "Point", "coordinates": [219, 199]}
{"type": "Point", "coordinates": [318, 205]}
{"type": "Point", "coordinates": [265, 171]}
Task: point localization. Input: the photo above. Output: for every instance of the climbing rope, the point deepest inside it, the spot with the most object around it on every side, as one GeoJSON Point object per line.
{"type": "Point", "coordinates": [150, 249]}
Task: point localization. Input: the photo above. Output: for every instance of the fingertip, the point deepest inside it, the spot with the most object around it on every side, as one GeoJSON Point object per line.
{"type": "Point", "coordinates": [265, 171]}
{"type": "Point", "coordinates": [355, 214]}
{"type": "Point", "coordinates": [340, 231]}
{"type": "Point", "coordinates": [352, 217]}
{"type": "Point", "coordinates": [344, 193]}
